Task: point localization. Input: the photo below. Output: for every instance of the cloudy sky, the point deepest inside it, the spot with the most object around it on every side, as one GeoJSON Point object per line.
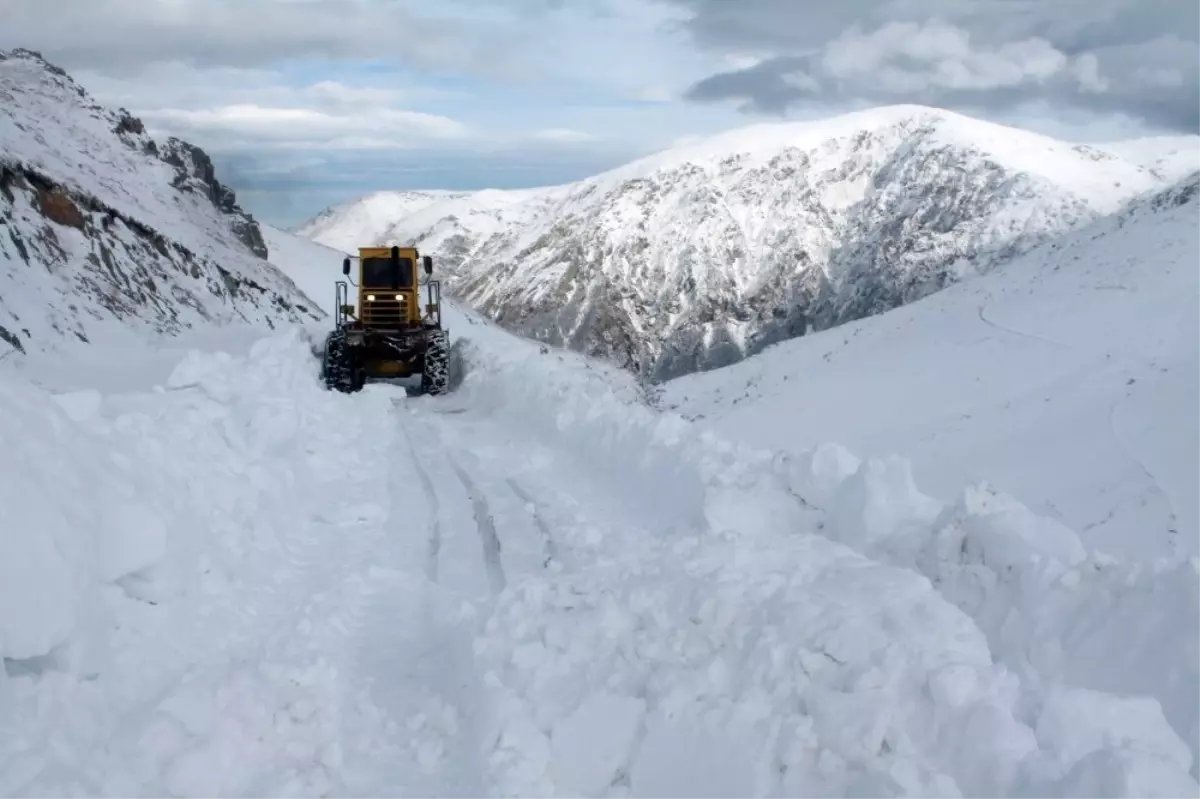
{"type": "Point", "coordinates": [304, 103]}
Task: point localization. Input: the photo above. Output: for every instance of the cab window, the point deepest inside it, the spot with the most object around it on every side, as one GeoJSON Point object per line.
{"type": "Point", "coordinates": [377, 273]}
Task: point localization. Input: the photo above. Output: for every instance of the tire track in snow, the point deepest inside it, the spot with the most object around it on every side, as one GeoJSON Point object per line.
{"type": "Point", "coordinates": [445, 547]}
{"type": "Point", "coordinates": [414, 650]}
{"type": "Point", "coordinates": [549, 548]}
{"type": "Point", "coordinates": [486, 524]}
{"type": "Point", "coordinates": [416, 660]}
{"type": "Point", "coordinates": [434, 548]}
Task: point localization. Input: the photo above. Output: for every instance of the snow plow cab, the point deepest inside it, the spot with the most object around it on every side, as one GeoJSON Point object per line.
{"type": "Point", "coordinates": [388, 332]}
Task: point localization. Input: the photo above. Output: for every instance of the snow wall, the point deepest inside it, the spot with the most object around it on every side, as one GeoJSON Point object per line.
{"type": "Point", "coordinates": [1101, 650]}
{"type": "Point", "coordinates": [973, 648]}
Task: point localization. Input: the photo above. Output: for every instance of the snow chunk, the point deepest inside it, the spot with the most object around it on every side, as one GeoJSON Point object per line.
{"type": "Point", "coordinates": [994, 529]}
{"type": "Point", "coordinates": [1078, 722]}
{"type": "Point", "coordinates": [1123, 772]}
{"type": "Point", "coordinates": [684, 758]}
{"type": "Point", "coordinates": [879, 501]}
{"type": "Point", "coordinates": [816, 473]}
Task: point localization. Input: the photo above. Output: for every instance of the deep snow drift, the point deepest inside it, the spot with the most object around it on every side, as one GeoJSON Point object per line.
{"type": "Point", "coordinates": [232, 582]}
{"type": "Point", "coordinates": [1067, 378]}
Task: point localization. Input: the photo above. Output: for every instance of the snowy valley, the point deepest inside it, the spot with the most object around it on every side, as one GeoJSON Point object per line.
{"type": "Point", "coordinates": [700, 255]}
{"type": "Point", "coordinates": [219, 579]}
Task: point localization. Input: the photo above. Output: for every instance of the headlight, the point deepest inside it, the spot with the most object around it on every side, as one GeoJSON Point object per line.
{"type": "Point", "coordinates": [370, 298]}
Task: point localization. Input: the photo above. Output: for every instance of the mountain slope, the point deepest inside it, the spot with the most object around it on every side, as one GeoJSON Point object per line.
{"type": "Point", "coordinates": [1067, 377]}
{"type": "Point", "coordinates": [314, 268]}
{"type": "Point", "coordinates": [104, 230]}
{"type": "Point", "coordinates": [360, 222]}
{"type": "Point", "coordinates": [697, 256]}
{"type": "Point", "coordinates": [1172, 157]}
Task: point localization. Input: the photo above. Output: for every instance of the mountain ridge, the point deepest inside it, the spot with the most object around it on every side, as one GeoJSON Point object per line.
{"type": "Point", "coordinates": [700, 255]}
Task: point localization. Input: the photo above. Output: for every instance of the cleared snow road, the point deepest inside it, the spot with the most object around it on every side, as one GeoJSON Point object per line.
{"type": "Point", "coordinates": [536, 585]}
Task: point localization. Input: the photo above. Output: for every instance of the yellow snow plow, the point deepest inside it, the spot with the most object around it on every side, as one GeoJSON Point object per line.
{"type": "Point", "coordinates": [389, 332]}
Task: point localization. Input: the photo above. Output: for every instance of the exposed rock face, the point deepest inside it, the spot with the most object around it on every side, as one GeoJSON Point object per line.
{"type": "Point", "coordinates": [700, 256]}
{"type": "Point", "coordinates": [196, 173]}
{"type": "Point", "coordinates": [101, 225]}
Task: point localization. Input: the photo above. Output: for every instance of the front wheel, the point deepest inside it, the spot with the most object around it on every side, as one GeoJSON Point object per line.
{"type": "Point", "coordinates": [435, 374]}
{"type": "Point", "coordinates": [337, 366]}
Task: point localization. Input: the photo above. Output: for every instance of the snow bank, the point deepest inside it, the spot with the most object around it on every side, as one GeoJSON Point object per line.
{"type": "Point", "coordinates": [1053, 612]}
{"type": "Point", "coordinates": [741, 654]}
{"type": "Point", "coordinates": [133, 490]}
{"type": "Point", "coordinates": [681, 477]}
{"type": "Point", "coordinates": [68, 521]}
{"type": "Point", "coordinates": [169, 547]}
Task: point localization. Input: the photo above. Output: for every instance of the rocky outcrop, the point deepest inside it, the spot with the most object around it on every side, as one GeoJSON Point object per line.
{"type": "Point", "coordinates": [101, 225]}
{"type": "Point", "coordinates": [195, 173]}
{"type": "Point", "coordinates": [77, 263]}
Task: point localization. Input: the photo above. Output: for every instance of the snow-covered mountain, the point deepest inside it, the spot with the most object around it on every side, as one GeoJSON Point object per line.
{"type": "Point", "coordinates": [700, 255]}
{"type": "Point", "coordinates": [104, 230]}
{"type": "Point", "coordinates": [359, 222]}
{"type": "Point", "coordinates": [1088, 342]}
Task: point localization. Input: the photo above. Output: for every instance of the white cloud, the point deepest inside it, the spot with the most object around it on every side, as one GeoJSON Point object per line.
{"type": "Point", "coordinates": [740, 60]}
{"type": "Point", "coordinates": [286, 94]}
{"type": "Point", "coordinates": [310, 126]}
{"type": "Point", "coordinates": [563, 135]}
{"type": "Point", "coordinates": [339, 95]}
{"type": "Point", "coordinates": [656, 94]}
{"type": "Point", "coordinates": [114, 34]}
{"type": "Point", "coordinates": [1135, 58]}
{"type": "Point", "coordinates": [912, 57]}
{"type": "Point", "coordinates": [1087, 72]}
{"type": "Point", "coordinates": [240, 74]}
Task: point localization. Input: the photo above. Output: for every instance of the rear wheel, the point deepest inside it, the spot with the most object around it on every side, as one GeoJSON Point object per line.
{"type": "Point", "coordinates": [435, 374]}
{"type": "Point", "coordinates": [338, 367]}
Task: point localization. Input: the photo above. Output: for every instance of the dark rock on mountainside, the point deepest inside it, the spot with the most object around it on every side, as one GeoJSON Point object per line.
{"type": "Point", "coordinates": [195, 172]}
{"type": "Point", "coordinates": [101, 224]}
